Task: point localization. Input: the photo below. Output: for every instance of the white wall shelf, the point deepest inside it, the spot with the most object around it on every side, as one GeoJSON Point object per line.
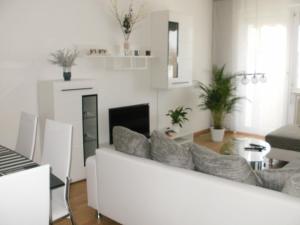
{"type": "Point", "coordinates": [125, 62]}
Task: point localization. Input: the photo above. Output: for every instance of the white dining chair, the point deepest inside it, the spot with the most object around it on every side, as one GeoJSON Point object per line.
{"type": "Point", "coordinates": [25, 197]}
{"type": "Point", "coordinates": [57, 153]}
{"type": "Point", "coordinates": [27, 134]}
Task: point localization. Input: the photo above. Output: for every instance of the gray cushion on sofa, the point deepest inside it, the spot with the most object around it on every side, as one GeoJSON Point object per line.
{"type": "Point", "coordinates": [292, 186]}
{"type": "Point", "coordinates": [275, 179]}
{"type": "Point", "coordinates": [131, 142]}
{"type": "Point", "coordinates": [232, 167]}
{"type": "Point", "coordinates": [169, 152]}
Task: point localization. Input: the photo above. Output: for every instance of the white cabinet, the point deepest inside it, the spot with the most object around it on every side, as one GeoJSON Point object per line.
{"type": "Point", "coordinates": [172, 44]}
{"type": "Point", "coordinates": [63, 101]}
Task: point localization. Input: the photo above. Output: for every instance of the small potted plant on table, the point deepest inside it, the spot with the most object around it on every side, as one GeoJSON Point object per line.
{"type": "Point", "coordinates": [220, 98]}
{"type": "Point", "coordinates": [178, 117]}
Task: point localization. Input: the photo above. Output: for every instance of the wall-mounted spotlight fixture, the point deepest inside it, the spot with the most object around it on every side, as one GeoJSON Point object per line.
{"type": "Point", "coordinates": [256, 77]}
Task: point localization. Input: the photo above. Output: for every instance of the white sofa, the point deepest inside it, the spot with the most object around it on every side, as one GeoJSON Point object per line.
{"type": "Point", "coordinates": [136, 191]}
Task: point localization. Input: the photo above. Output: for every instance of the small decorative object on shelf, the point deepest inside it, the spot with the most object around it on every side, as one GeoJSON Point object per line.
{"type": "Point", "coordinates": [66, 59]}
{"type": "Point", "coordinates": [148, 53]}
{"type": "Point", "coordinates": [102, 52]}
{"type": "Point", "coordinates": [178, 117]}
{"type": "Point", "coordinates": [127, 21]}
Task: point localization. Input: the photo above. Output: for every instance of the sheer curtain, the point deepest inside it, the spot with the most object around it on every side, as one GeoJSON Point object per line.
{"type": "Point", "coordinates": [294, 87]}
{"type": "Point", "coordinates": [260, 34]}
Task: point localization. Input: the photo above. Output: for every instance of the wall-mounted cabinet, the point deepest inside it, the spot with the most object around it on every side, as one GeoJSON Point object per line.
{"type": "Point", "coordinates": [172, 44]}
{"type": "Point", "coordinates": [74, 102]}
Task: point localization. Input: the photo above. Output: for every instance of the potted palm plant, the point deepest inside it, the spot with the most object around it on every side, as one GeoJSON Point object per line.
{"type": "Point", "coordinates": [178, 117]}
{"type": "Point", "coordinates": [220, 98]}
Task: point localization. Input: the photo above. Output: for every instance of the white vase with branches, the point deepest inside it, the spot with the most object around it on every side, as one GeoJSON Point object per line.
{"type": "Point", "coordinates": [128, 20]}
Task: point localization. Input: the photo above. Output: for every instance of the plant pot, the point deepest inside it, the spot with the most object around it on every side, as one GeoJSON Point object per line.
{"type": "Point", "coordinates": [217, 135]}
{"type": "Point", "coordinates": [176, 128]}
{"type": "Point", "coordinates": [67, 73]}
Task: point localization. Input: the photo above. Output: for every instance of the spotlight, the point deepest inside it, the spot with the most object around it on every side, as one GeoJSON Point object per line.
{"type": "Point", "coordinates": [263, 78]}
{"type": "Point", "coordinates": [254, 79]}
{"type": "Point", "coordinates": [245, 80]}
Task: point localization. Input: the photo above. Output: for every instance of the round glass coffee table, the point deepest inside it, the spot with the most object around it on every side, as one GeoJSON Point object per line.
{"type": "Point", "coordinates": [252, 149]}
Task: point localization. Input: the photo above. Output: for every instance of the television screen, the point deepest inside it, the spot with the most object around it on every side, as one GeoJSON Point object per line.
{"type": "Point", "coordinates": [135, 118]}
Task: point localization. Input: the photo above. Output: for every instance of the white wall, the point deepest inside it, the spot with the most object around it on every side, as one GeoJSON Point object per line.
{"type": "Point", "coordinates": [31, 29]}
{"type": "Point", "coordinates": [222, 33]}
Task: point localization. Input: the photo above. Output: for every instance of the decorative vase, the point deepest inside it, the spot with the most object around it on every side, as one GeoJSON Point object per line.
{"type": "Point", "coordinates": [217, 135]}
{"type": "Point", "coordinates": [126, 47]}
{"type": "Point", "coordinates": [67, 73]}
{"type": "Point", "coordinates": [176, 127]}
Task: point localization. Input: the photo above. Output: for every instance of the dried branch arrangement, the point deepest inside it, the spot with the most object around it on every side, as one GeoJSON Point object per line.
{"type": "Point", "coordinates": [128, 20]}
{"type": "Point", "coordinates": [64, 57]}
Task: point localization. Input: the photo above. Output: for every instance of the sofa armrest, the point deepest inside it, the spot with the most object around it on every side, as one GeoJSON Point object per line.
{"type": "Point", "coordinates": [91, 180]}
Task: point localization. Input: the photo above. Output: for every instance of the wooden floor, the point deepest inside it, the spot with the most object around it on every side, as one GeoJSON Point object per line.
{"type": "Point", "coordinates": [83, 215]}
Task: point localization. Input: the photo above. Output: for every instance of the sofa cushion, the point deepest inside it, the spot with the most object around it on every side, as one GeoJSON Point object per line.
{"type": "Point", "coordinates": [169, 152]}
{"type": "Point", "coordinates": [131, 142]}
{"type": "Point", "coordinates": [231, 167]}
{"type": "Point", "coordinates": [275, 179]}
{"type": "Point", "coordinates": [292, 186]}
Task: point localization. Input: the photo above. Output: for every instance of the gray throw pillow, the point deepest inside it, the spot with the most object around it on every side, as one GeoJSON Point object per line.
{"type": "Point", "coordinates": [131, 142]}
{"type": "Point", "coordinates": [292, 186]}
{"type": "Point", "coordinates": [167, 151]}
{"type": "Point", "coordinates": [231, 167]}
{"type": "Point", "coordinates": [275, 179]}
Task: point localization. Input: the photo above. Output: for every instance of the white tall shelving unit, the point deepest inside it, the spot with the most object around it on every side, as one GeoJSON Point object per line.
{"type": "Point", "coordinates": [160, 46]}
{"type": "Point", "coordinates": [63, 101]}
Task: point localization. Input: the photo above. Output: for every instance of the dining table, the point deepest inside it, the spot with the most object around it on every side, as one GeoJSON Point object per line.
{"type": "Point", "coordinates": [13, 162]}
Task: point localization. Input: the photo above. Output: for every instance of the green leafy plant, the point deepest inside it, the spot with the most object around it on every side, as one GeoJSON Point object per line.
{"type": "Point", "coordinates": [64, 57]}
{"type": "Point", "coordinates": [179, 115]}
{"type": "Point", "coordinates": [220, 96]}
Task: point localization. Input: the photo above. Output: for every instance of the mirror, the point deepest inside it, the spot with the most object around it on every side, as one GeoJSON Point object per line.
{"type": "Point", "coordinates": [173, 49]}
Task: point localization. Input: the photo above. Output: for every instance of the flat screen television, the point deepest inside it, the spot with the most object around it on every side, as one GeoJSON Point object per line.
{"type": "Point", "coordinates": [134, 117]}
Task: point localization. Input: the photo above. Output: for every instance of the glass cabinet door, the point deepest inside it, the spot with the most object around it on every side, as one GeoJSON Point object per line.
{"type": "Point", "coordinates": [90, 125]}
{"type": "Point", "coordinates": [173, 49]}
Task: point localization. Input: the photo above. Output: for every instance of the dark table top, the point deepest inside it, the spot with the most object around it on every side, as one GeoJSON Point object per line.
{"type": "Point", "coordinates": [12, 162]}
